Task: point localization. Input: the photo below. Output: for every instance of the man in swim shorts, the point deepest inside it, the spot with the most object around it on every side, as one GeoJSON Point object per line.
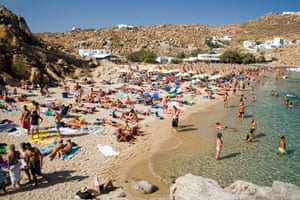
{"type": "Point", "coordinates": [35, 162]}
{"type": "Point", "coordinates": [253, 128]}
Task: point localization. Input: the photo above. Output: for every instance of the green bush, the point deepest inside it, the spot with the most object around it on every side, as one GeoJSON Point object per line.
{"type": "Point", "coordinates": [180, 55]}
{"type": "Point", "coordinates": [195, 53]}
{"type": "Point", "coordinates": [142, 56]}
{"type": "Point", "coordinates": [231, 56]}
{"type": "Point", "coordinates": [19, 69]}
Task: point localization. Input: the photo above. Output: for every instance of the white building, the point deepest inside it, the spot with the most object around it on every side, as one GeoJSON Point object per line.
{"type": "Point", "coordinates": [94, 53]}
{"type": "Point", "coordinates": [249, 43]}
{"type": "Point", "coordinates": [125, 26]}
{"type": "Point", "coordinates": [278, 41]}
{"type": "Point", "coordinates": [164, 59]}
{"type": "Point", "coordinates": [227, 37]}
{"type": "Point", "coordinates": [209, 57]}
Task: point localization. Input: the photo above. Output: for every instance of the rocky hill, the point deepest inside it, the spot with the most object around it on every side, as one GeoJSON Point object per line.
{"type": "Point", "coordinates": [25, 56]}
{"type": "Point", "coordinates": [42, 57]}
{"type": "Point", "coordinates": [169, 40]}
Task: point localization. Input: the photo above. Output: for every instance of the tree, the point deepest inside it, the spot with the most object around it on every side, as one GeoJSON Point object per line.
{"type": "Point", "coordinates": [195, 52]}
{"type": "Point", "coordinates": [142, 56]}
{"type": "Point", "coordinates": [248, 58]}
{"type": "Point", "coordinates": [231, 56]}
{"type": "Point", "coordinates": [180, 55]}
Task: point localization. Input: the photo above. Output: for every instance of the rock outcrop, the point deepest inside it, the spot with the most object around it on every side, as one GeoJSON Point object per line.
{"type": "Point", "coordinates": [196, 187]}
{"type": "Point", "coordinates": [25, 56]}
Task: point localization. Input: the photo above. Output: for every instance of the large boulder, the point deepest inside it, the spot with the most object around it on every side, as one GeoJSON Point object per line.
{"type": "Point", "coordinates": [286, 191]}
{"type": "Point", "coordinates": [191, 187]}
{"type": "Point", "coordinates": [246, 190]}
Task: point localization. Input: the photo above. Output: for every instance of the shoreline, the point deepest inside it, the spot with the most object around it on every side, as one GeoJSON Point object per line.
{"type": "Point", "coordinates": [71, 175]}
{"type": "Point", "coordinates": [141, 168]}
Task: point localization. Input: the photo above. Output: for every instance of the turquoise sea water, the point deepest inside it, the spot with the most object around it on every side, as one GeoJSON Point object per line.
{"type": "Point", "coordinates": [255, 162]}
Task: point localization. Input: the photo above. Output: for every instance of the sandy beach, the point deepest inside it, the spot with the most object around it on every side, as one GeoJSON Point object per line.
{"type": "Point", "coordinates": [66, 177]}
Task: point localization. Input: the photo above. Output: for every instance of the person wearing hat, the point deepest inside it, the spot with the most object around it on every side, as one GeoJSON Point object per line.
{"type": "Point", "coordinates": [219, 144]}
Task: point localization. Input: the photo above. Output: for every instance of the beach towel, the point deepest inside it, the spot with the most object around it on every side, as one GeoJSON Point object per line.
{"type": "Point", "coordinates": [66, 131]}
{"type": "Point", "coordinates": [2, 149]}
{"type": "Point", "coordinates": [107, 150]}
{"type": "Point", "coordinates": [6, 125]}
{"type": "Point", "coordinates": [102, 131]}
{"type": "Point", "coordinates": [44, 138]}
{"type": "Point", "coordinates": [74, 151]}
{"type": "Point", "coordinates": [18, 132]}
{"type": "Point", "coordinates": [47, 148]}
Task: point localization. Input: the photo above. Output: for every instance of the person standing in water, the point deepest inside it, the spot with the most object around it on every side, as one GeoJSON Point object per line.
{"type": "Point", "coordinates": [219, 144]}
{"type": "Point", "coordinates": [253, 128]}
{"type": "Point", "coordinates": [282, 146]}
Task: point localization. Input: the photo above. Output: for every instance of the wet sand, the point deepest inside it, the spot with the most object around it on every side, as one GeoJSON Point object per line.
{"type": "Point", "coordinates": [187, 140]}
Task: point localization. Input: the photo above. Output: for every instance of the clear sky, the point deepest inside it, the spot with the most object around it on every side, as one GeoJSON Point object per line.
{"type": "Point", "coordinates": [63, 15]}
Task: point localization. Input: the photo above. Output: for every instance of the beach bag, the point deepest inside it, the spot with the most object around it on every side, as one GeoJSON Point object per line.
{"type": "Point", "coordinates": [84, 195]}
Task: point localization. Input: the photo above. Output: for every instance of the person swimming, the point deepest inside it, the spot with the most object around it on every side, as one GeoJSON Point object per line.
{"type": "Point", "coordinates": [221, 127]}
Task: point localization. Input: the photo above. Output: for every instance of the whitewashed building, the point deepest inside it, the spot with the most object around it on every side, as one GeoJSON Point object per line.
{"type": "Point", "coordinates": [248, 44]}
{"type": "Point", "coordinates": [165, 59]}
{"type": "Point", "coordinates": [125, 26]}
{"type": "Point", "coordinates": [209, 57]}
{"type": "Point", "coordinates": [227, 37]}
{"type": "Point", "coordinates": [94, 53]}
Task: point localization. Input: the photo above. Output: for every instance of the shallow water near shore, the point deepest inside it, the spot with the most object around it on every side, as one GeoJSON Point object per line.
{"type": "Point", "coordinates": [255, 162]}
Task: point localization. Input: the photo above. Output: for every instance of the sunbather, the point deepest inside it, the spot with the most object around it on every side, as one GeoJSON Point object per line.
{"type": "Point", "coordinates": [66, 149]}
{"type": "Point", "coordinates": [54, 151]}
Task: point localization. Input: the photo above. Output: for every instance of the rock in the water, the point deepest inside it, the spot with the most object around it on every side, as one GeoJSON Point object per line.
{"type": "Point", "coordinates": [144, 186]}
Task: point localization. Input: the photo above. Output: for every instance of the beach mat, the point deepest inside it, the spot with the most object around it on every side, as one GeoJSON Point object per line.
{"type": "Point", "coordinates": [18, 132]}
{"type": "Point", "coordinates": [107, 150]}
{"type": "Point", "coordinates": [47, 148]}
{"type": "Point", "coordinates": [44, 138]}
{"type": "Point", "coordinates": [74, 151]}
{"type": "Point", "coordinates": [6, 126]}
{"type": "Point", "coordinates": [2, 149]}
{"type": "Point", "coordinates": [66, 131]}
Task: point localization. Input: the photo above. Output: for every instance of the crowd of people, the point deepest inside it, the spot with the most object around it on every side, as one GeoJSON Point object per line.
{"type": "Point", "coordinates": [123, 103]}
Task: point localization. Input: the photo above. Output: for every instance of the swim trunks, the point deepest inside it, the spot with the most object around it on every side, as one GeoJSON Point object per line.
{"type": "Point", "coordinates": [175, 122]}
{"type": "Point", "coordinates": [35, 168]}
